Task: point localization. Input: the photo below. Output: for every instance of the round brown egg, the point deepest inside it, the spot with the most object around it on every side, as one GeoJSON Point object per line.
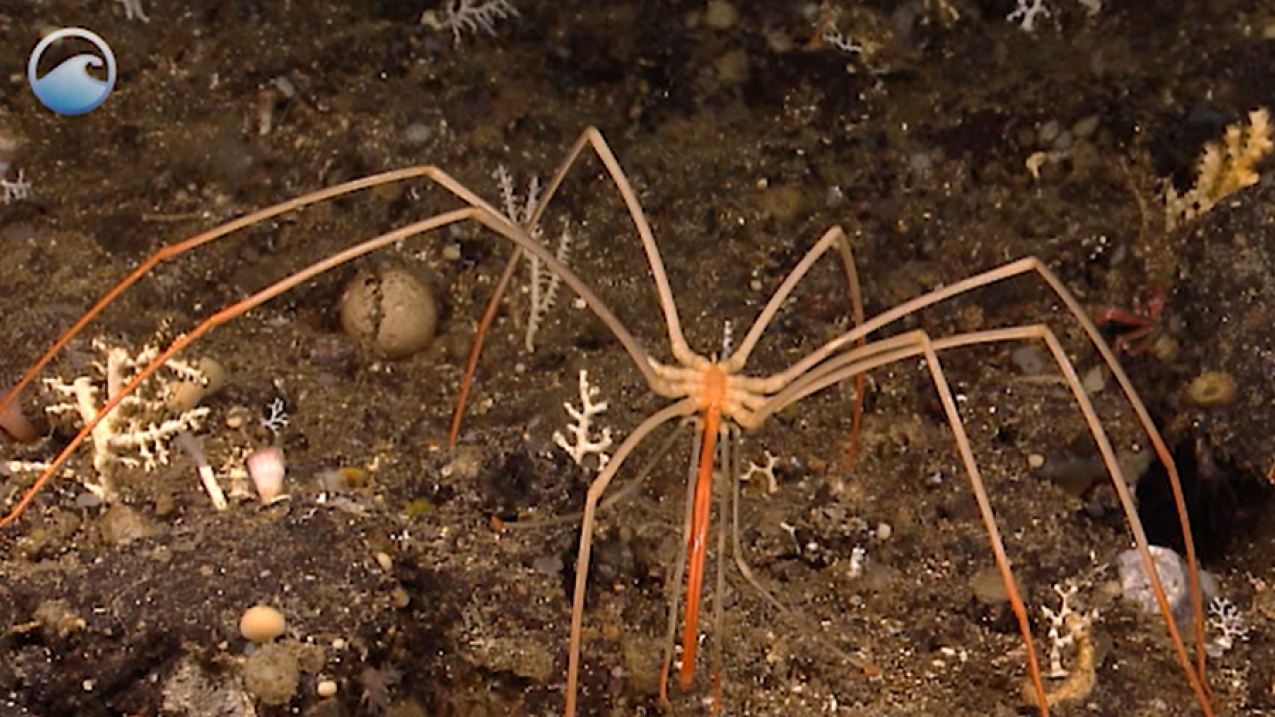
{"type": "Point", "coordinates": [389, 310]}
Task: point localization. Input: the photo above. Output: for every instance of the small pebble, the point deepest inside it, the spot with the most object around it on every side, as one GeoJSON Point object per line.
{"type": "Point", "coordinates": [720, 15]}
{"type": "Point", "coordinates": [1085, 127]}
{"type": "Point", "coordinates": [326, 688]}
{"type": "Point", "coordinates": [548, 565]}
{"type": "Point", "coordinates": [1094, 380]}
{"type": "Point", "coordinates": [1029, 360]}
{"type": "Point", "coordinates": [418, 133]}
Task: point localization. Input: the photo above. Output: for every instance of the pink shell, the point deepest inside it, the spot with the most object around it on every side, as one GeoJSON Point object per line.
{"type": "Point", "coordinates": [265, 467]}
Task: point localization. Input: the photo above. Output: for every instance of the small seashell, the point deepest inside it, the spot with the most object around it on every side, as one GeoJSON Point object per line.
{"type": "Point", "coordinates": [265, 467]}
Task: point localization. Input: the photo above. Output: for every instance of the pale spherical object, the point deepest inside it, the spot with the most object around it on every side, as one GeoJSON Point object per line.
{"type": "Point", "coordinates": [390, 311]}
{"type": "Point", "coordinates": [326, 688]}
{"type": "Point", "coordinates": [262, 623]}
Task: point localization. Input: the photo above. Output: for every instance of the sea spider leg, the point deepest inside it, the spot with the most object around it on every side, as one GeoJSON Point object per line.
{"type": "Point", "coordinates": [591, 137]}
{"type": "Point", "coordinates": [680, 409]}
{"type": "Point", "coordinates": [478, 211]}
{"type": "Point", "coordinates": [842, 366]}
{"type": "Point", "coordinates": [181, 247]}
{"type": "Point", "coordinates": [229, 313]}
{"type": "Point", "coordinates": [1032, 265]}
{"type": "Point", "coordinates": [682, 353]}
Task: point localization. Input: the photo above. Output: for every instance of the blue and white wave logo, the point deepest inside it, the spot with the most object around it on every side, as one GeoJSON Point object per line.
{"type": "Point", "coordinates": [69, 89]}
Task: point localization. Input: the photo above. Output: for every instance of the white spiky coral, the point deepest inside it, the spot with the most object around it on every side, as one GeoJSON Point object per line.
{"type": "Point", "coordinates": [137, 431]}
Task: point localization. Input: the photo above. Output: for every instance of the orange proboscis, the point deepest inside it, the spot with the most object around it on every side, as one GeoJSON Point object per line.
{"type": "Point", "coordinates": [697, 540]}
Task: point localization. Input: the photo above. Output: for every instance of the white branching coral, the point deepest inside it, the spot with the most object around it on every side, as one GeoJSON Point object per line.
{"type": "Point", "coordinates": [462, 16]}
{"type": "Point", "coordinates": [17, 190]}
{"type": "Point", "coordinates": [582, 443]}
{"type": "Point", "coordinates": [136, 432]}
{"type": "Point", "coordinates": [766, 472]}
{"type": "Point", "coordinates": [1069, 629]}
{"type": "Point", "coordinates": [1223, 169]}
{"type": "Point", "coordinates": [1065, 625]}
{"type": "Point", "coordinates": [543, 285]}
{"type": "Point", "coordinates": [1226, 622]}
{"type": "Point", "coordinates": [1026, 12]}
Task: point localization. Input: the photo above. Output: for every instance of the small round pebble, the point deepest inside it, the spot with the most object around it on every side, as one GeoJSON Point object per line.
{"type": "Point", "coordinates": [326, 688]}
{"type": "Point", "coordinates": [261, 624]}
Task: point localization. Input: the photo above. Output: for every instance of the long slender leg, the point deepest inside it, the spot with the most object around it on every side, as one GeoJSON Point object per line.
{"type": "Point", "coordinates": [857, 361]}
{"type": "Point", "coordinates": [727, 445]}
{"type": "Point", "coordinates": [227, 314]}
{"type": "Point", "coordinates": [833, 237]}
{"type": "Point", "coordinates": [591, 137]}
{"type": "Point", "coordinates": [599, 485]}
{"type": "Point", "coordinates": [476, 348]}
{"type": "Point", "coordinates": [989, 518]}
{"type": "Point", "coordinates": [1032, 265]}
{"type": "Point", "coordinates": [181, 247]}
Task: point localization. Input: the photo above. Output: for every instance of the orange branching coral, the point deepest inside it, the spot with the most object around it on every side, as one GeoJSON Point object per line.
{"type": "Point", "coordinates": [1224, 168]}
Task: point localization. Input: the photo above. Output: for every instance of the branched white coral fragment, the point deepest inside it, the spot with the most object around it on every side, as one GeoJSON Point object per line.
{"type": "Point", "coordinates": [582, 444]}
{"type": "Point", "coordinates": [543, 285]}
{"type": "Point", "coordinates": [16, 190]}
{"type": "Point", "coordinates": [136, 432]}
{"type": "Point", "coordinates": [461, 16]}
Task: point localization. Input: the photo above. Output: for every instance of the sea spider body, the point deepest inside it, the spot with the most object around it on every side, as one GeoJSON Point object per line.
{"type": "Point", "coordinates": [715, 386]}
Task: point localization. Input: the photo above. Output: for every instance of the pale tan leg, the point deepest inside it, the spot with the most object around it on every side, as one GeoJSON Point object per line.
{"type": "Point", "coordinates": [599, 485]}
{"type": "Point", "coordinates": [592, 138]}
{"type": "Point", "coordinates": [854, 362]}
{"type": "Point", "coordinates": [1031, 265]}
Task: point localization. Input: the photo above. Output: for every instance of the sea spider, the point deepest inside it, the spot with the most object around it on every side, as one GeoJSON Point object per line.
{"type": "Point", "coordinates": [717, 392]}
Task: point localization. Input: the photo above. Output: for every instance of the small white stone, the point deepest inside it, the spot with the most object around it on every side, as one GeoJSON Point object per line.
{"type": "Point", "coordinates": [385, 561]}
{"type": "Point", "coordinates": [326, 688]}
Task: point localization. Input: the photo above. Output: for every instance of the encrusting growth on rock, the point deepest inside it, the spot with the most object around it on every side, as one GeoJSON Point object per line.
{"type": "Point", "coordinates": [1223, 169]}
